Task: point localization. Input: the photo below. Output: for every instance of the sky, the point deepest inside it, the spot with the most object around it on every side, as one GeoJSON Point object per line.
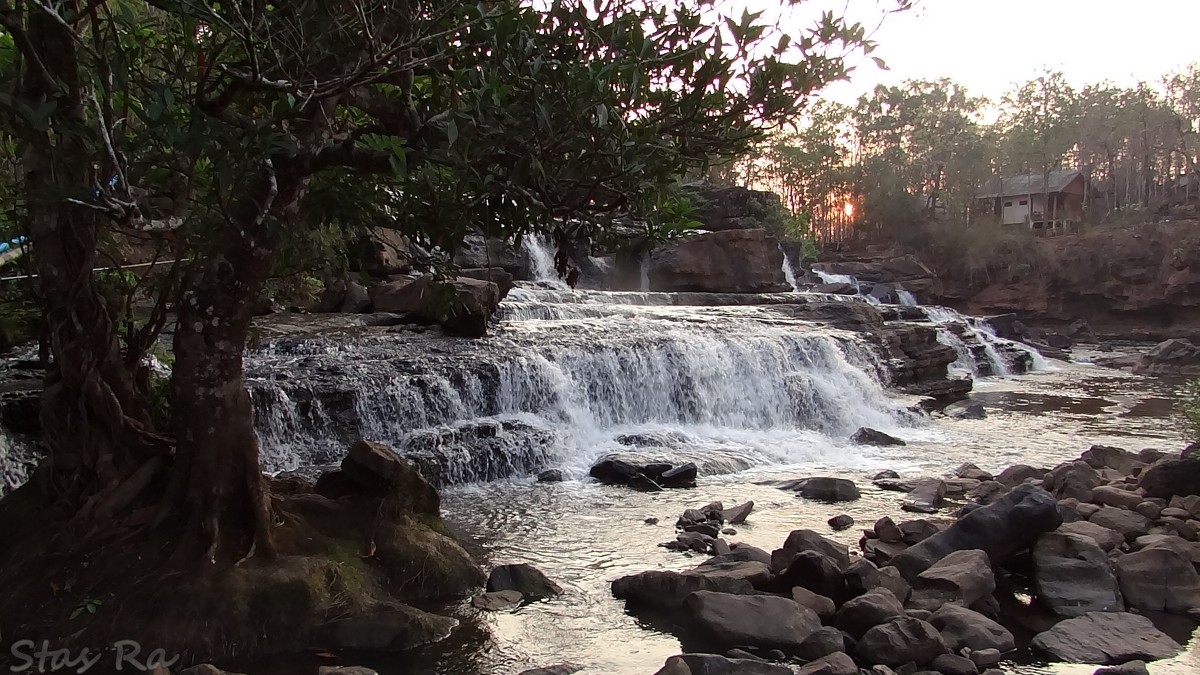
{"type": "Point", "coordinates": [989, 45]}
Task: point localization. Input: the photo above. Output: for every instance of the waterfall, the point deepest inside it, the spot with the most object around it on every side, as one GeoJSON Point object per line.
{"type": "Point", "coordinates": [539, 250]}
{"type": "Point", "coordinates": [907, 299]}
{"type": "Point", "coordinates": [961, 332]}
{"type": "Point", "coordinates": [17, 460]}
{"type": "Point", "coordinates": [644, 271]}
{"type": "Point", "coordinates": [788, 274]}
{"type": "Point", "coordinates": [838, 279]}
{"type": "Point", "coordinates": [742, 386]}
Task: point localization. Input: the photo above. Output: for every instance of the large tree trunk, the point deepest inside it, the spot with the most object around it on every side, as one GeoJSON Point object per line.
{"type": "Point", "coordinates": [96, 427]}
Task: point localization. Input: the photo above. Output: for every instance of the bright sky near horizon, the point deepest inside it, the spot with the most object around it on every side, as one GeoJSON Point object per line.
{"type": "Point", "coordinates": [990, 45]}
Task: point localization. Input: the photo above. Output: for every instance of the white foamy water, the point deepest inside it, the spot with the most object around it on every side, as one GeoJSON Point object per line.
{"type": "Point", "coordinates": [539, 250]}
{"type": "Point", "coordinates": [788, 274]}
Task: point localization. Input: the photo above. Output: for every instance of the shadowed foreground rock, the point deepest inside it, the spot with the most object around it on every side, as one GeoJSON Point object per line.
{"type": "Point", "coordinates": [1106, 638]}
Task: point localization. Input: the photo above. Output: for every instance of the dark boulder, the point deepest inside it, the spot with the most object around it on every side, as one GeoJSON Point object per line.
{"type": "Point", "coordinates": [1171, 477]}
{"type": "Point", "coordinates": [900, 641]}
{"type": "Point", "coordinates": [1072, 575]}
{"type": "Point", "coordinates": [1104, 638]}
{"type": "Point", "coordinates": [666, 591]}
{"type": "Point", "coordinates": [524, 578]}
{"type": "Point", "coordinates": [763, 621]}
{"type": "Point", "coordinates": [868, 436]}
{"type": "Point", "coordinates": [683, 476]}
{"type": "Point", "coordinates": [828, 489]}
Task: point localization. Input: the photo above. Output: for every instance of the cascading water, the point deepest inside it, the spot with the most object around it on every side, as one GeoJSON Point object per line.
{"type": "Point", "coordinates": [539, 250]}
{"type": "Point", "coordinates": [644, 272]}
{"type": "Point", "coordinates": [16, 461]}
{"type": "Point", "coordinates": [727, 387]}
{"type": "Point", "coordinates": [788, 274]}
{"type": "Point", "coordinates": [906, 299]}
{"type": "Point", "coordinates": [828, 278]}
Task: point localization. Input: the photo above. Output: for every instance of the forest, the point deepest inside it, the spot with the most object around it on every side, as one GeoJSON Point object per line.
{"type": "Point", "coordinates": [902, 153]}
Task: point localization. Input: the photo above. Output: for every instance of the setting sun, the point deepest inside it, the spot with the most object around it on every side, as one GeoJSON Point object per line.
{"type": "Point", "coordinates": [848, 209]}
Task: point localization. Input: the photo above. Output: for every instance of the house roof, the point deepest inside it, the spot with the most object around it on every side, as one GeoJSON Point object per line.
{"type": "Point", "coordinates": [1029, 184]}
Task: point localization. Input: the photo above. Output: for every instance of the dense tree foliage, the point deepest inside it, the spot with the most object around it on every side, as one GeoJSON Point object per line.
{"type": "Point", "coordinates": [904, 153]}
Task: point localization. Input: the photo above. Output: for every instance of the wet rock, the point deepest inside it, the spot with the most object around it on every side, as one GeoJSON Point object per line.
{"type": "Point", "coordinates": [964, 628]}
{"type": "Point", "coordinates": [887, 530]}
{"type": "Point", "coordinates": [925, 497]}
{"type": "Point", "coordinates": [841, 522]}
{"type": "Point", "coordinates": [712, 664]}
{"type": "Point", "coordinates": [1072, 575]}
{"type": "Point", "coordinates": [642, 483]}
{"type": "Point", "coordinates": [1107, 457]}
{"type": "Point", "coordinates": [651, 521]}
{"type": "Point", "coordinates": [985, 657]}
{"type": "Point", "coordinates": [861, 576]}
{"type": "Point", "coordinates": [917, 531]}
{"type": "Point", "coordinates": [1106, 638]}
{"type": "Point", "coordinates": [1073, 480]}
{"type": "Point", "coordinates": [837, 663]}
{"type": "Point", "coordinates": [823, 642]}
{"type": "Point", "coordinates": [820, 604]}
{"type": "Point", "coordinates": [1159, 580]}
{"type": "Point", "coordinates": [1127, 668]}
{"type": "Point", "coordinates": [758, 620]}
{"type": "Point", "coordinates": [987, 492]}
{"type": "Point", "coordinates": [999, 530]}
{"type": "Point", "coordinates": [816, 572]}
{"type": "Point", "coordinates": [808, 540]}
{"type": "Point", "coordinates": [965, 410]}
{"type": "Point", "coordinates": [741, 552]}
{"type": "Point", "coordinates": [524, 578]}
{"type": "Point", "coordinates": [1017, 474]}
{"type": "Point", "coordinates": [498, 600]}
{"type": "Point", "coordinates": [703, 528]}
{"type": "Point", "coordinates": [742, 654]}
{"type": "Point", "coordinates": [737, 515]}
{"type": "Point", "coordinates": [868, 436]}
{"type": "Point", "coordinates": [757, 573]}
{"type": "Point", "coordinates": [379, 470]}
{"type": "Point", "coordinates": [1170, 357]}
{"type": "Point", "coordinates": [680, 477]}
{"type": "Point", "coordinates": [868, 610]}
{"type": "Point", "coordinates": [667, 590]}
{"type": "Point", "coordinates": [731, 261]}
{"type": "Point", "coordinates": [828, 489]}
{"type": "Point", "coordinates": [398, 629]}
{"type": "Point", "coordinates": [1129, 524]}
{"type": "Point", "coordinates": [901, 641]}
{"type": "Point", "coordinates": [690, 541]}
{"type": "Point", "coordinates": [1106, 495]}
{"type": "Point", "coordinates": [885, 474]}
{"type": "Point", "coordinates": [969, 470]}
{"type": "Point", "coordinates": [962, 577]}
{"type": "Point", "coordinates": [550, 476]}
{"type": "Point", "coordinates": [1171, 477]}
{"type": "Point", "coordinates": [953, 664]}
{"type": "Point", "coordinates": [613, 471]}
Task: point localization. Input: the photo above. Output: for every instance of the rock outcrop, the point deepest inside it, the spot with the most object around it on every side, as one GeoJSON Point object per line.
{"type": "Point", "coordinates": [731, 261]}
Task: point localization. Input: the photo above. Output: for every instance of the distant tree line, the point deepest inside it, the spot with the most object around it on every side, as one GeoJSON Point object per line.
{"type": "Point", "coordinates": [903, 154]}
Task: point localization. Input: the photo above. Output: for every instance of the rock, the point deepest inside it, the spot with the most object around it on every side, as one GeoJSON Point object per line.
{"type": "Point", "coordinates": [1127, 668]}
{"type": "Point", "coordinates": [887, 530]}
{"type": "Point", "coordinates": [496, 275]}
{"type": "Point", "coordinates": [643, 483]}
{"type": "Point", "coordinates": [1106, 495]}
{"type": "Point", "coordinates": [1072, 575]}
{"type": "Point", "coordinates": [666, 591]}
{"type": "Point", "coordinates": [1107, 539]}
{"type": "Point", "coordinates": [651, 521]}
{"type": "Point", "coordinates": [868, 436]}
{"type": "Point", "coordinates": [550, 476]}
{"type": "Point", "coordinates": [1149, 509]}
{"type": "Point", "coordinates": [1072, 480]}
{"type": "Point", "coordinates": [1189, 503]}
{"type": "Point", "coordinates": [355, 300]}
{"type": "Point", "coordinates": [1170, 357]}
{"type": "Point", "coordinates": [1087, 510]}
{"type": "Point", "coordinates": [1017, 474]}
{"type": "Point", "coordinates": [819, 604]}
{"type": "Point", "coordinates": [497, 600]}
{"type": "Point", "coordinates": [828, 489]}
{"type": "Point", "coordinates": [613, 471]}
{"type": "Point", "coordinates": [962, 577]}
{"type": "Point", "coordinates": [882, 552]}
{"type": "Point", "coordinates": [1172, 512]}
{"type": "Point", "coordinates": [823, 642]}
{"type": "Point", "coordinates": [205, 669]}
{"type": "Point", "coordinates": [757, 573]}
{"type": "Point", "coordinates": [397, 629]}
{"type": "Point", "coordinates": [741, 552]}
{"type": "Point", "coordinates": [984, 657]}
{"type": "Point", "coordinates": [861, 576]}
{"type": "Point", "coordinates": [964, 628]}
{"type": "Point", "coordinates": [1107, 457]}
{"type": "Point", "coordinates": [999, 530]}
{"type": "Point", "coordinates": [987, 492]}
{"type": "Point", "coordinates": [916, 531]}
{"type": "Point", "coordinates": [346, 670]}
{"type": "Point", "coordinates": [742, 654]}
{"type": "Point", "coordinates": [379, 470]}
{"type": "Point", "coordinates": [868, 610]}
{"type": "Point", "coordinates": [683, 476]}
{"type": "Point", "coordinates": [755, 620]}
{"type": "Point", "coordinates": [889, 578]}
{"type": "Point", "coordinates": [1159, 580]}
{"type": "Point", "coordinates": [732, 261]}
{"type": "Point", "coordinates": [953, 664]}
{"type": "Point", "coordinates": [926, 497]}
{"type": "Point", "coordinates": [462, 306]}
{"type": "Point", "coordinates": [703, 528]}
{"type": "Point", "coordinates": [837, 663]}
{"type": "Point", "coordinates": [1189, 550]}
{"type": "Point", "coordinates": [965, 410]}
{"type": "Point", "coordinates": [841, 522]}
{"type": "Point", "coordinates": [737, 515]}
{"type": "Point", "coordinates": [808, 540]}
{"type": "Point", "coordinates": [1106, 638]}
{"type": "Point", "coordinates": [712, 664]}
{"type": "Point", "coordinates": [901, 641]}
{"type": "Point", "coordinates": [885, 474]}
{"type": "Point", "coordinates": [1171, 477]}
{"type": "Point", "coordinates": [523, 578]}
{"type": "Point", "coordinates": [1129, 524]}
{"type": "Point", "coordinates": [969, 470]}
{"type": "Point", "coordinates": [816, 572]}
